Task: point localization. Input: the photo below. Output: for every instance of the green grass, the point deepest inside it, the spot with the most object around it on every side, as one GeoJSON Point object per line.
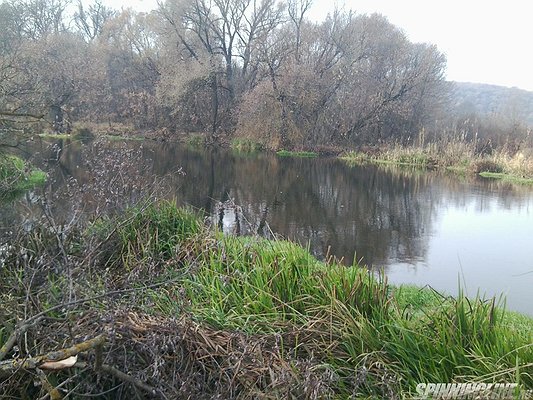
{"type": "Point", "coordinates": [245, 145]}
{"type": "Point", "coordinates": [303, 154]}
{"type": "Point", "coordinates": [16, 175]}
{"type": "Point", "coordinates": [259, 286]}
{"type": "Point", "coordinates": [35, 178]}
{"type": "Point", "coordinates": [408, 158]}
{"type": "Point", "coordinates": [254, 284]}
{"type": "Point", "coordinates": [506, 177]}
{"type": "Point", "coordinates": [55, 135]}
{"type": "Point", "coordinates": [375, 339]}
{"type": "Point", "coordinates": [149, 232]}
{"type": "Point", "coordinates": [196, 141]}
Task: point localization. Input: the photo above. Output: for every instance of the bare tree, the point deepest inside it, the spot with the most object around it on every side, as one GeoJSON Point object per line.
{"type": "Point", "coordinates": [297, 10]}
{"type": "Point", "coordinates": [90, 22]}
{"type": "Point", "coordinates": [41, 17]}
{"type": "Point", "coordinates": [222, 35]}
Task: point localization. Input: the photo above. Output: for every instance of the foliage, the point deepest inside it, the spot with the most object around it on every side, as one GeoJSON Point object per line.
{"type": "Point", "coordinates": [264, 74]}
{"type": "Point", "coordinates": [216, 68]}
{"type": "Point", "coordinates": [278, 321]}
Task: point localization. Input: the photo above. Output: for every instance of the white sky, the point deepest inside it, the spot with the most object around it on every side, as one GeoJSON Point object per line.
{"type": "Point", "coordinates": [485, 41]}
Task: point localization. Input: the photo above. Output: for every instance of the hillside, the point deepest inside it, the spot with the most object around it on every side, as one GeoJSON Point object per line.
{"type": "Point", "coordinates": [484, 99]}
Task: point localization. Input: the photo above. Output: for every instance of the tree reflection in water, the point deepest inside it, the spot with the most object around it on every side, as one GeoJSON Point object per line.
{"type": "Point", "coordinates": [384, 216]}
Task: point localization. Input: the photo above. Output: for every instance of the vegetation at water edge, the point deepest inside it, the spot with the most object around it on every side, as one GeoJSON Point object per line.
{"type": "Point", "coordinates": [17, 175]}
{"type": "Point", "coordinates": [452, 155]}
{"type": "Point", "coordinates": [246, 145]}
{"type": "Point", "coordinates": [185, 310]}
{"type": "Point", "coordinates": [303, 154]}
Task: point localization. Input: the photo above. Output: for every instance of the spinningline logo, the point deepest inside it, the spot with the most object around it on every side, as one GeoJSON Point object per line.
{"type": "Point", "coordinates": [502, 391]}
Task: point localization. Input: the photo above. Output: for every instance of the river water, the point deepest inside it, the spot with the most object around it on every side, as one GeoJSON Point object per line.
{"type": "Point", "coordinates": [424, 228]}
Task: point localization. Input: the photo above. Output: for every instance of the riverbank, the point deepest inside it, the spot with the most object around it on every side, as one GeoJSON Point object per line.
{"type": "Point", "coordinates": [459, 158]}
{"type": "Point", "coordinates": [184, 310]}
{"type": "Point", "coordinates": [16, 175]}
{"type": "Point", "coordinates": [454, 156]}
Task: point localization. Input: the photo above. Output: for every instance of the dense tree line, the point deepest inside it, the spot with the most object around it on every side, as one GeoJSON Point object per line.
{"type": "Point", "coordinates": [254, 68]}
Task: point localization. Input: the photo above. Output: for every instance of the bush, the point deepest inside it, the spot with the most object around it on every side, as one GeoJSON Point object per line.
{"type": "Point", "coordinates": [246, 145]}
{"type": "Point", "coordinates": [196, 141]}
{"type": "Point", "coordinates": [83, 133]}
{"type": "Point", "coordinates": [486, 166]}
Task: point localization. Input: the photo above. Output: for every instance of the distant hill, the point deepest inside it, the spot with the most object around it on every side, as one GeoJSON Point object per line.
{"type": "Point", "coordinates": [484, 99]}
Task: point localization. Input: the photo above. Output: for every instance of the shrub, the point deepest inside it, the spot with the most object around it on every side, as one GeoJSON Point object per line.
{"type": "Point", "coordinates": [196, 141]}
{"type": "Point", "coordinates": [246, 145]}
{"type": "Point", "coordinates": [486, 166]}
{"type": "Point", "coordinates": [83, 133]}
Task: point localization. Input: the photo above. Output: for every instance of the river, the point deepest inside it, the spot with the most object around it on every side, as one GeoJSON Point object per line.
{"type": "Point", "coordinates": [420, 227]}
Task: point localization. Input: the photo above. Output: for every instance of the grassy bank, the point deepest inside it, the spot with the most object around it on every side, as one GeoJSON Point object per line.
{"type": "Point", "coordinates": [303, 154]}
{"type": "Point", "coordinates": [187, 311]}
{"type": "Point", "coordinates": [457, 157]}
{"type": "Point", "coordinates": [17, 175]}
{"type": "Point", "coordinates": [245, 145]}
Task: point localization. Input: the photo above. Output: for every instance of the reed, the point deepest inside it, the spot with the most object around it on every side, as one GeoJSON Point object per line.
{"type": "Point", "coordinates": [454, 155]}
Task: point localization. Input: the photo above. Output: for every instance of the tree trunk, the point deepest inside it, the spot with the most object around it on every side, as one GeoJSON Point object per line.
{"type": "Point", "coordinates": [214, 105]}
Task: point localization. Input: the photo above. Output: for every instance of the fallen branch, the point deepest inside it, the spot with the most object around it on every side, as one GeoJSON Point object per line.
{"type": "Point", "coordinates": [52, 391]}
{"type": "Point", "coordinates": [58, 355]}
{"type": "Point", "coordinates": [64, 358]}
{"type": "Point", "coordinates": [127, 378]}
{"type": "Point", "coordinates": [20, 330]}
{"type": "Point", "coordinates": [61, 364]}
{"type": "Point", "coordinates": [13, 114]}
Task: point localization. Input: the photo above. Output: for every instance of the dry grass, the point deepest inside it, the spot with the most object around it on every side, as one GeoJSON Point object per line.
{"type": "Point", "coordinates": [519, 164]}
{"type": "Point", "coordinates": [453, 154]}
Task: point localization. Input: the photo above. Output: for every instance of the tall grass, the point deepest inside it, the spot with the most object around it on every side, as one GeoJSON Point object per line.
{"type": "Point", "coordinates": [147, 233]}
{"type": "Point", "coordinates": [453, 154]}
{"type": "Point", "coordinates": [263, 317]}
{"type": "Point", "coordinates": [355, 320]}
{"type": "Point", "coordinates": [264, 282]}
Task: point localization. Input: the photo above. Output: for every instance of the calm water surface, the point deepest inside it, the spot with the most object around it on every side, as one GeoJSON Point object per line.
{"type": "Point", "coordinates": [421, 228]}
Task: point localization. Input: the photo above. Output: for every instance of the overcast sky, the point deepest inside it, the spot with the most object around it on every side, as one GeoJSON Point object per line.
{"type": "Point", "coordinates": [486, 41]}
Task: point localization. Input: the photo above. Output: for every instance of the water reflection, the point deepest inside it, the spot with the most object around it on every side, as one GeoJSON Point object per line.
{"type": "Point", "coordinates": [422, 227]}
